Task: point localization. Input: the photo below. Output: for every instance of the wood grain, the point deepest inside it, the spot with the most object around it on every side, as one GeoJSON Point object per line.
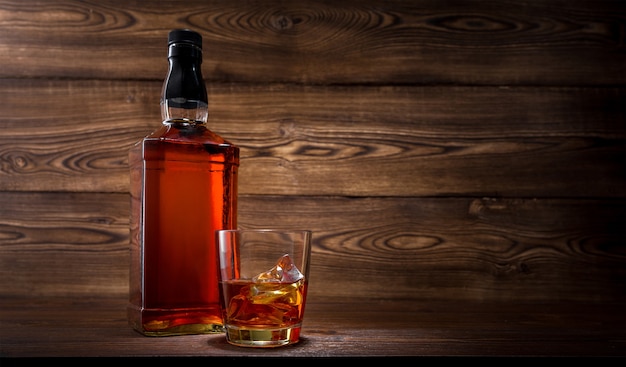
{"type": "Point", "coordinates": [433, 332]}
{"type": "Point", "coordinates": [355, 141]}
{"type": "Point", "coordinates": [398, 42]}
{"type": "Point", "coordinates": [372, 248]}
{"type": "Point", "coordinates": [462, 165]}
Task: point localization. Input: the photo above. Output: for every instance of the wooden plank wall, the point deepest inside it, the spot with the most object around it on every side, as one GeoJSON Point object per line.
{"type": "Point", "coordinates": [449, 150]}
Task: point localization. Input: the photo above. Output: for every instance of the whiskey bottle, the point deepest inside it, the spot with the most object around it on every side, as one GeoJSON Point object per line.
{"type": "Point", "coordinates": [183, 188]}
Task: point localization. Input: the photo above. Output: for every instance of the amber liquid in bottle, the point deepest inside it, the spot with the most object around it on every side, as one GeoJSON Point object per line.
{"type": "Point", "coordinates": [183, 188]}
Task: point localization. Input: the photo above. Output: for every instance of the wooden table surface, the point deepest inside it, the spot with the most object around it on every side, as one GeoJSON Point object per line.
{"type": "Point", "coordinates": [98, 328]}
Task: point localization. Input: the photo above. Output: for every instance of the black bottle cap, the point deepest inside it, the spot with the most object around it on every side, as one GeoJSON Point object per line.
{"type": "Point", "coordinates": [185, 36]}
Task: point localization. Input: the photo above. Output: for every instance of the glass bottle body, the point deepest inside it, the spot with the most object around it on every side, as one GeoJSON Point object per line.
{"type": "Point", "coordinates": [183, 188]}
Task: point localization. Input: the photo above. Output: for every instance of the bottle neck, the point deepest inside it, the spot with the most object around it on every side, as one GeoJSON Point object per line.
{"type": "Point", "coordinates": [184, 97]}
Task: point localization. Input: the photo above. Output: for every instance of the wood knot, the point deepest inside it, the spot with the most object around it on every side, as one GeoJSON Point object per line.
{"type": "Point", "coordinates": [15, 162]}
{"type": "Point", "coordinates": [20, 162]}
{"type": "Point", "coordinates": [283, 22]}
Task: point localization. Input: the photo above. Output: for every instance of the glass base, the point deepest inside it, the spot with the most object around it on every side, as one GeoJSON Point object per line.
{"type": "Point", "coordinates": [262, 338]}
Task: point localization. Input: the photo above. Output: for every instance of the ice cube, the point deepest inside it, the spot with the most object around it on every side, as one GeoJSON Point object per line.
{"type": "Point", "coordinates": [271, 292]}
{"type": "Point", "coordinates": [284, 271]}
{"type": "Point", "coordinates": [247, 311]}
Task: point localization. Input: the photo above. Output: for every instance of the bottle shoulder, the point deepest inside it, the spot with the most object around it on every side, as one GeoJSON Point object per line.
{"type": "Point", "coordinates": [185, 133]}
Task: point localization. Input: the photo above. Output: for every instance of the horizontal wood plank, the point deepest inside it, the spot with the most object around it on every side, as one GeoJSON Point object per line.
{"type": "Point", "coordinates": [97, 327]}
{"type": "Point", "coordinates": [355, 141]}
{"type": "Point", "coordinates": [76, 244]}
{"type": "Point", "coordinates": [347, 42]}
